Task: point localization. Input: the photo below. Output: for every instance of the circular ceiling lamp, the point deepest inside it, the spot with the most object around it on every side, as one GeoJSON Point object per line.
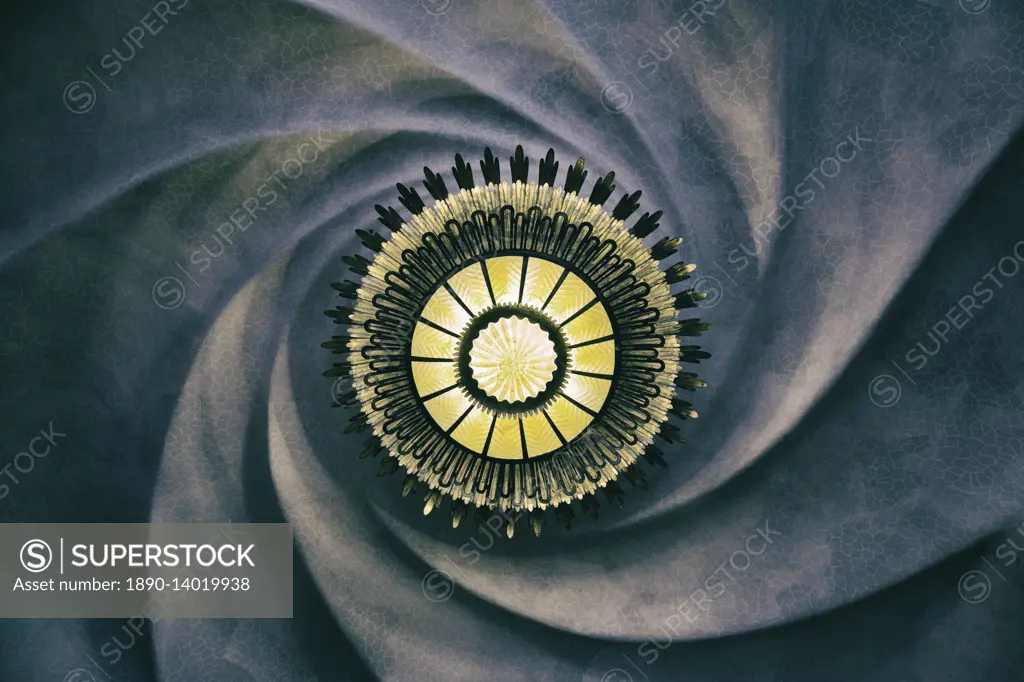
{"type": "Point", "coordinates": [514, 346]}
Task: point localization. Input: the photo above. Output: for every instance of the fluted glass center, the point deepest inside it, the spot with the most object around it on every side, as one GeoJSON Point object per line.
{"type": "Point", "coordinates": [513, 359]}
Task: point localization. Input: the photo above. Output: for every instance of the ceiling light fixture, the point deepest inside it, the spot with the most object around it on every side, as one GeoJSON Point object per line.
{"type": "Point", "coordinates": [514, 346]}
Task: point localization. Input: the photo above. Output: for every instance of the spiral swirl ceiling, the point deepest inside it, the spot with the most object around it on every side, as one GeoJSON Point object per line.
{"type": "Point", "coordinates": [844, 175]}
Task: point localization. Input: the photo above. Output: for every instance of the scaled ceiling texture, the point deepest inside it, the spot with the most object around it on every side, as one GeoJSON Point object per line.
{"type": "Point", "coordinates": [179, 181]}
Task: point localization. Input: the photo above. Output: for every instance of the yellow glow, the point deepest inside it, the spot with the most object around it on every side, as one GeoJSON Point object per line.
{"type": "Point", "coordinates": [505, 273]}
{"type": "Point", "coordinates": [540, 439]}
{"type": "Point", "coordinates": [443, 311]}
{"type": "Point", "coordinates": [448, 407]}
{"type": "Point", "coordinates": [471, 287]}
{"type": "Point", "coordinates": [430, 377]}
{"type": "Point", "coordinates": [592, 324]}
{"type": "Point", "coordinates": [572, 295]}
{"type": "Point", "coordinates": [472, 432]}
{"type": "Point", "coordinates": [461, 280]}
{"type": "Point", "coordinates": [541, 278]}
{"type": "Point", "coordinates": [506, 443]}
{"type": "Point", "coordinates": [513, 359]}
{"type": "Point", "coordinates": [588, 391]}
{"type": "Point", "coordinates": [569, 419]}
{"type": "Point", "coordinates": [428, 342]}
{"type": "Point", "coordinates": [597, 358]}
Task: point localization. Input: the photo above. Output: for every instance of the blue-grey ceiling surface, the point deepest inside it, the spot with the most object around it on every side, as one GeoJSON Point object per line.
{"type": "Point", "coordinates": [846, 174]}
